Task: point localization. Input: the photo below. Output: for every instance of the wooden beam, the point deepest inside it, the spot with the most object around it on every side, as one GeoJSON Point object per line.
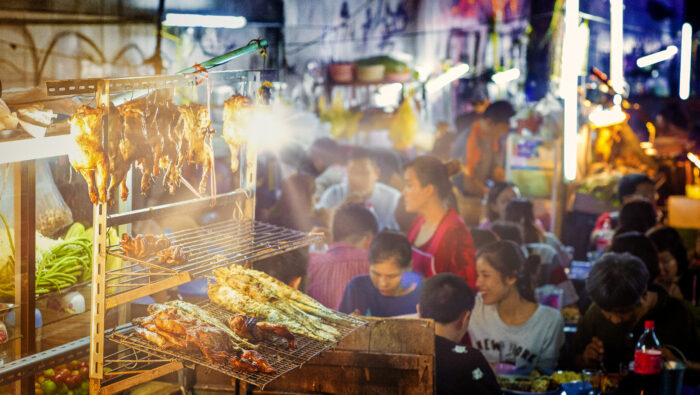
{"type": "Point", "coordinates": [141, 378]}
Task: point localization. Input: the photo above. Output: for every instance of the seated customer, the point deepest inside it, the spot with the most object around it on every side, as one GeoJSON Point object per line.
{"type": "Point", "coordinates": [448, 299]}
{"type": "Point", "coordinates": [354, 226]}
{"type": "Point", "coordinates": [676, 277]}
{"type": "Point", "coordinates": [362, 186]}
{"type": "Point", "coordinates": [507, 324]}
{"type": "Point", "coordinates": [482, 237]}
{"type": "Point", "coordinates": [522, 212]}
{"type": "Point", "coordinates": [640, 246]}
{"type": "Point", "coordinates": [390, 289]}
{"type": "Point", "coordinates": [623, 300]}
{"type": "Point", "coordinates": [636, 216]}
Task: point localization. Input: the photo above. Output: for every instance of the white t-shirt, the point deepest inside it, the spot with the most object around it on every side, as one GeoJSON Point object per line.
{"type": "Point", "coordinates": [382, 202]}
{"type": "Point", "coordinates": [535, 343]}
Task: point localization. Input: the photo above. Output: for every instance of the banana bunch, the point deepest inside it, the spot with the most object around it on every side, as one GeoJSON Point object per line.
{"type": "Point", "coordinates": [344, 123]}
{"type": "Point", "coordinates": [404, 126]}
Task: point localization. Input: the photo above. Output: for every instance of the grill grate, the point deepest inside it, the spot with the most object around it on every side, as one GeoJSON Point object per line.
{"type": "Point", "coordinates": [281, 359]}
{"type": "Point", "coordinates": [208, 247]}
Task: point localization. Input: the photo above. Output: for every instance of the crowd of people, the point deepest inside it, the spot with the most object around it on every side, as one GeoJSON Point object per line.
{"type": "Point", "coordinates": [399, 246]}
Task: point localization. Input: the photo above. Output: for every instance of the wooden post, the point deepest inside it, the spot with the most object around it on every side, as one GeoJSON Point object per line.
{"type": "Point", "coordinates": [99, 256]}
{"type": "Point", "coordinates": [25, 240]}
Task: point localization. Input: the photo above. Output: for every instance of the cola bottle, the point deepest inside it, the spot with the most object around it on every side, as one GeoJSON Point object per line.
{"type": "Point", "coordinates": [648, 361]}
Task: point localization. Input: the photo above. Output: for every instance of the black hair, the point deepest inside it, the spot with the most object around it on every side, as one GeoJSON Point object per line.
{"type": "Point", "coordinates": [640, 246]}
{"type": "Point", "coordinates": [430, 170]}
{"type": "Point", "coordinates": [508, 231]}
{"type": "Point", "coordinates": [389, 244]}
{"type": "Point", "coordinates": [668, 239]}
{"type": "Point", "coordinates": [483, 237]}
{"type": "Point", "coordinates": [499, 112]}
{"type": "Point", "coordinates": [444, 297]}
{"type": "Point", "coordinates": [508, 259]}
{"type": "Point", "coordinates": [522, 212]}
{"type": "Point", "coordinates": [627, 186]}
{"type": "Point", "coordinates": [286, 267]}
{"type": "Point", "coordinates": [353, 221]}
{"type": "Point", "coordinates": [357, 153]}
{"type": "Point", "coordinates": [327, 150]}
{"type": "Point", "coordinates": [617, 281]}
{"type": "Point", "coordinates": [638, 216]}
{"type": "Point", "coordinates": [494, 192]}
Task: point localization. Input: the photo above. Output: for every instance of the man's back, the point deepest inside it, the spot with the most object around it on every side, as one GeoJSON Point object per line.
{"type": "Point", "coordinates": [330, 272]}
{"type": "Point", "coordinates": [462, 370]}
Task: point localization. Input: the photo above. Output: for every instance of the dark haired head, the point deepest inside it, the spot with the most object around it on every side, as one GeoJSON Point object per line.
{"type": "Point", "coordinates": [508, 231]}
{"type": "Point", "coordinates": [491, 199]}
{"type": "Point", "coordinates": [352, 222]}
{"type": "Point", "coordinates": [640, 246]}
{"type": "Point", "coordinates": [430, 170]}
{"type": "Point", "coordinates": [499, 112]}
{"type": "Point", "coordinates": [522, 212]}
{"type": "Point", "coordinates": [637, 216]}
{"type": "Point", "coordinates": [627, 186]}
{"type": "Point", "coordinates": [387, 245]}
{"type": "Point", "coordinates": [286, 267]}
{"type": "Point", "coordinates": [444, 297]}
{"type": "Point", "coordinates": [507, 258]}
{"type": "Point", "coordinates": [482, 237]}
{"type": "Point", "coordinates": [357, 153]}
{"type": "Point", "coordinates": [617, 281]}
{"type": "Point", "coordinates": [668, 239]}
{"type": "Point", "coordinates": [326, 150]}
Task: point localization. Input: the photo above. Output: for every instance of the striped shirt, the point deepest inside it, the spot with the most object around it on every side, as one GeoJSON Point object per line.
{"type": "Point", "coordinates": [331, 271]}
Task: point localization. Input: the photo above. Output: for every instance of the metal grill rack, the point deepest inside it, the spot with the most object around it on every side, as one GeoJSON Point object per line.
{"type": "Point", "coordinates": [208, 247]}
{"type": "Point", "coordinates": [282, 359]}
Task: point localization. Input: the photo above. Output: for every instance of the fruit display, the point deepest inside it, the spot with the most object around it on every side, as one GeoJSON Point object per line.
{"type": "Point", "coordinates": [72, 378]}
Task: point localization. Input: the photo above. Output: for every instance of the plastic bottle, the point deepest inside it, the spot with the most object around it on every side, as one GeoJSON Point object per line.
{"type": "Point", "coordinates": [648, 361]}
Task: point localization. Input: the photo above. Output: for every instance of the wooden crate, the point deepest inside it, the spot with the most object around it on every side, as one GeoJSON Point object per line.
{"type": "Point", "coordinates": [387, 356]}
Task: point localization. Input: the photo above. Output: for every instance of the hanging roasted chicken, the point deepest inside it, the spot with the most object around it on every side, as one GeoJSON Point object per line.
{"type": "Point", "coordinates": [193, 129]}
{"type": "Point", "coordinates": [235, 110]}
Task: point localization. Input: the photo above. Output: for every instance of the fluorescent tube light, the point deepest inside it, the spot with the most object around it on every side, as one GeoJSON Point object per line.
{"type": "Point", "coordinates": [617, 77]}
{"type": "Point", "coordinates": [657, 57]}
{"type": "Point", "coordinates": [602, 118]}
{"type": "Point", "coordinates": [198, 20]}
{"type": "Point", "coordinates": [568, 88]}
{"type": "Point", "coordinates": [686, 44]}
{"type": "Point", "coordinates": [505, 77]}
{"type": "Point", "coordinates": [446, 78]}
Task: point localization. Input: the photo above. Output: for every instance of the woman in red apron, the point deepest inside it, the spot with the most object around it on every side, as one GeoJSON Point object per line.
{"type": "Point", "coordinates": [441, 241]}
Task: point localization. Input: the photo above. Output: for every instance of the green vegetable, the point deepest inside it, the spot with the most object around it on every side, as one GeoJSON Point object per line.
{"type": "Point", "coordinates": [49, 387]}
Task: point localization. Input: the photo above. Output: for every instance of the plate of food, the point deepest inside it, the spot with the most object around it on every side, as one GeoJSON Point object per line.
{"type": "Point", "coordinates": [514, 384]}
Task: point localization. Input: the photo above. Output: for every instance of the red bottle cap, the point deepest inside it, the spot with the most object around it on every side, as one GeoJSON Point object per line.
{"type": "Point", "coordinates": [648, 324]}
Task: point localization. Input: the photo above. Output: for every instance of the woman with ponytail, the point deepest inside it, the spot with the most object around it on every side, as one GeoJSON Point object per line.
{"type": "Point", "coordinates": [441, 241]}
{"type": "Point", "coordinates": [507, 325]}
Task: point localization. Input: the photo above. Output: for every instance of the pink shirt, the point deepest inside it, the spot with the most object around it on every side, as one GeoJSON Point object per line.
{"type": "Point", "coordinates": [331, 271]}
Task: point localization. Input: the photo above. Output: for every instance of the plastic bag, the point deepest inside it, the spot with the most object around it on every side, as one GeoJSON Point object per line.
{"type": "Point", "coordinates": [52, 212]}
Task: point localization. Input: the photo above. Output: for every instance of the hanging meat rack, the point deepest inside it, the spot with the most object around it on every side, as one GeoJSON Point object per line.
{"type": "Point", "coordinates": [240, 240]}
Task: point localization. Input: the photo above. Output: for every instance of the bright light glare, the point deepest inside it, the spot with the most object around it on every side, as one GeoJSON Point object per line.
{"type": "Point", "coordinates": [569, 87]}
{"type": "Point", "coordinates": [617, 77]}
{"type": "Point", "coordinates": [602, 118]}
{"type": "Point", "coordinates": [693, 158]}
{"type": "Point", "coordinates": [198, 20]}
{"type": "Point", "coordinates": [387, 95]}
{"type": "Point", "coordinates": [684, 83]}
{"type": "Point", "coordinates": [657, 57]}
{"type": "Point", "coordinates": [505, 77]}
{"type": "Point", "coordinates": [446, 78]}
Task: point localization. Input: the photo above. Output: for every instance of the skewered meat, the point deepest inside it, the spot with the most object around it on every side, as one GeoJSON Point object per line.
{"type": "Point", "coordinates": [245, 326]}
{"type": "Point", "coordinates": [173, 256]}
{"type": "Point", "coordinates": [177, 342]}
{"type": "Point", "coordinates": [276, 331]}
{"type": "Point", "coordinates": [143, 245]}
{"type": "Point", "coordinates": [89, 157]}
{"type": "Point", "coordinates": [151, 336]}
{"type": "Point", "coordinates": [255, 359]}
{"type": "Point", "coordinates": [234, 126]}
{"type": "Point", "coordinates": [249, 328]}
{"type": "Point", "coordinates": [188, 309]}
{"type": "Point", "coordinates": [135, 147]}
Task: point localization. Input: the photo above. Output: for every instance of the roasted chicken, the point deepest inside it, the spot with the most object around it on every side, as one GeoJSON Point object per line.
{"type": "Point", "coordinates": [135, 147]}
{"type": "Point", "coordinates": [88, 156]}
{"type": "Point", "coordinates": [143, 245]}
{"type": "Point", "coordinates": [234, 125]}
{"type": "Point", "coordinates": [193, 128]}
